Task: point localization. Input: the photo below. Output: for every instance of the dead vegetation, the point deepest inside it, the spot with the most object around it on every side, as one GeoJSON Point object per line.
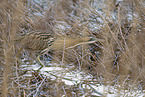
{"type": "Point", "coordinates": [118, 60]}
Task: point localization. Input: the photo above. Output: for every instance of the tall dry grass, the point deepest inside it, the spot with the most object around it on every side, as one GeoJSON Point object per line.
{"type": "Point", "coordinates": [11, 13]}
{"type": "Point", "coordinates": [119, 59]}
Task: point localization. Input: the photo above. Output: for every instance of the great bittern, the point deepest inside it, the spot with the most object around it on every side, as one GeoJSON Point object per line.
{"type": "Point", "coordinates": [44, 41]}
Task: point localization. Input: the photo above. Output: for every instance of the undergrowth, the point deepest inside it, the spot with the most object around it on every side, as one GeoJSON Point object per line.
{"type": "Point", "coordinates": [118, 60]}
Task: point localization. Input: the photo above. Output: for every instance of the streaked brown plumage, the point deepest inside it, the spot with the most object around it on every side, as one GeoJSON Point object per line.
{"type": "Point", "coordinates": [43, 41]}
{"type": "Point", "coordinates": [35, 40]}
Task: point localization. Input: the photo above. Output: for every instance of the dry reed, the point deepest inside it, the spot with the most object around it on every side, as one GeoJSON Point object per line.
{"type": "Point", "coordinates": [118, 60]}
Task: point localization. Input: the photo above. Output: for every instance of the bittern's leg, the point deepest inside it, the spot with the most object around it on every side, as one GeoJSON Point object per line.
{"type": "Point", "coordinates": [41, 63]}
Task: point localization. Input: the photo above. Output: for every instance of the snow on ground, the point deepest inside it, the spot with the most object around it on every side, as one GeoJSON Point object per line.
{"type": "Point", "coordinates": [77, 77]}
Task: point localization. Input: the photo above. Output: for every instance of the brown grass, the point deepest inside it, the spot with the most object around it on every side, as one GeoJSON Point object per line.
{"type": "Point", "coordinates": [119, 59]}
